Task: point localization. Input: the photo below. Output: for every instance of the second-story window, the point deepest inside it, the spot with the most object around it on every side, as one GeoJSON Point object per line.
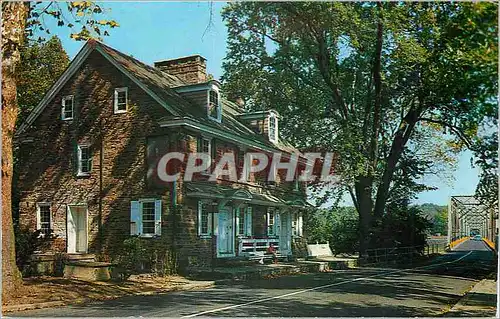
{"type": "Point", "coordinates": [67, 107]}
{"type": "Point", "coordinates": [205, 146]}
{"type": "Point", "coordinates": [120, 103]}
{"type": "Point", "coordinates": [84, 160]}
{"type": "Point", "coordinates": [214, 108]}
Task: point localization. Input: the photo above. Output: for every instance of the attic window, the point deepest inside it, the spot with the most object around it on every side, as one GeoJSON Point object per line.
{"type": "Point", "coordinates": [67, 108]}
{"type": "Point", "coordinates": [120, 104]}
{"type": "Point", "coordinates": [214, 109]}
{"type": "Point", "coordinates": [273, 128]}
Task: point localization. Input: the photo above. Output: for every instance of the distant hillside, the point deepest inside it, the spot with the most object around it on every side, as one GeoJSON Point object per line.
{"type": "Point", "coordinates": [438, 215]}
{"type": "Point", "coordinates": [431, 210]}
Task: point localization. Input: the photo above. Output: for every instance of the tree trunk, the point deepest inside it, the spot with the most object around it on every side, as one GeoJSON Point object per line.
{"type": "Point", "coordinates": [363, 188]}
{"type": "Point", "coordinates": [14, 16]}
{"type": "Point", "coordinates": [398, 144]}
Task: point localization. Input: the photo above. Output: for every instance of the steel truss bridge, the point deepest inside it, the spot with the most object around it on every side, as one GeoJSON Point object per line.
{"type": "Point", "coordinates": [468, 215]}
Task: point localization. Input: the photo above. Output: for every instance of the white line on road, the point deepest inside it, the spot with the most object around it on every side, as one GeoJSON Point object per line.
{"type": "Point", "coordinates": [319, 287]}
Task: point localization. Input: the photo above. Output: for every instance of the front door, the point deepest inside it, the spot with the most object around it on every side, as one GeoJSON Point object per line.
{"type": "Point", "coordinates": [285, 234]}
{"type": "Point", "coordinates": [225, 234]}
{"type": "Point", "coordinates": [77, 229]}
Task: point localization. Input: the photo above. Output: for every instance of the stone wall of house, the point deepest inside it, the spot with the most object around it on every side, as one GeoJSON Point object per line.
{"type": "Point", "coordinates": [47, 166]}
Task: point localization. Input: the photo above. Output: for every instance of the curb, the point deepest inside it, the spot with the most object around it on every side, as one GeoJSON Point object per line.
{"type": "Point", "coordinates": [473, 310]}
{"type": "Point", "coordinates": [79, 301]}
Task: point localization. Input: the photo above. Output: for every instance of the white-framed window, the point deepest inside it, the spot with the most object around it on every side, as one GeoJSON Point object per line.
{"type": "Point", "coordinates": [244, 221]}
{"type": "Point", "coordinates": [84, 160]}
{"type": "Point", "coordinates": [214, 108]}
{"type": "Point", "coordinates": [121, 100]}
{"type": "Point", "coordinates": [271, 222]}
{"type": "Point", "coordinates": [44, 219]}
{"type": "Point", "coordinates": [297, 224]}
{"type": "Point", "coordinates": [204, 219]}
{"type": "Point", "coordinates": [67, 107]}
{"type": "Point", "coordinates": [205, 146]}
{"type": "Point", "coordinates": [145, 217]}
{"type": "Point", "coordinates": [273, 127]}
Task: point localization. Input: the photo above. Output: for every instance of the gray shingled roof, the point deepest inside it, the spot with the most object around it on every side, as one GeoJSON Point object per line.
{"type": "Point", "coordinates": [162, 84]}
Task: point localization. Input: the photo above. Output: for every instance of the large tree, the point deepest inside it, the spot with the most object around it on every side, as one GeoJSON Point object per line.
{"type": "Point", "coordinates": [42, 63]}
{"type": "Point", "coordinates": [366, 80]}
{"type": "Point", "coordinates": [20, 19]}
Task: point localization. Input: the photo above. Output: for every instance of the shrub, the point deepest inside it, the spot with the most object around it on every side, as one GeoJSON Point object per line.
{"type": "Point", "coordinates": [27, 243]}
{"type": "Point", "coordinates": [131, 258]}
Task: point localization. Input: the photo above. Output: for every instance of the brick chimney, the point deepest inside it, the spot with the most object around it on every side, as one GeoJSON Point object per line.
{"type": "Point", "coordinates": [191, 69]}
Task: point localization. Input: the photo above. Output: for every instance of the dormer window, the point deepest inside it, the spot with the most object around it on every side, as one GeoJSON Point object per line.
{"type": "Point", "coordinates": [273, 127]}
{"type": "Point", "coordinates": [214, 108]}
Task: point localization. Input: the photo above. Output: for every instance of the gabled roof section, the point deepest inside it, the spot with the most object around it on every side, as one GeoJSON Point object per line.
{"type": "Point", "coordinates": [154, 82]}
{"type": "Point", "coordinates": [162, 86]}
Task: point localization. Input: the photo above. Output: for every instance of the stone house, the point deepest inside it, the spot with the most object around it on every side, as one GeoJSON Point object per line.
{"type": "Point", "coordinates": [88, 164]}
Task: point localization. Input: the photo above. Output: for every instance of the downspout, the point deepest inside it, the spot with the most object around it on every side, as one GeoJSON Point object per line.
{"type": "Point", "coordinates": [174, 221]}
{"type": "Point", "coordinates": [101, 160]}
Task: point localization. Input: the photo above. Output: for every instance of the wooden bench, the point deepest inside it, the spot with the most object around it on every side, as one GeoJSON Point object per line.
{"type": "Point", "coordinates": [256, 249]}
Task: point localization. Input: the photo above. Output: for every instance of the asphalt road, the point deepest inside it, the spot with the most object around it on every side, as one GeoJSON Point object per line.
{"type": "Point", "coordinates": [427, 291]}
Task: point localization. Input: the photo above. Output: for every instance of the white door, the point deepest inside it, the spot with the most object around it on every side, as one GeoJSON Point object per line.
{"type": "Point", "coordinates": [225, 235]}
{"type": "Point", "coordinates": [77, 240]}
{"type": "Point", "coordinates": [285, 234]}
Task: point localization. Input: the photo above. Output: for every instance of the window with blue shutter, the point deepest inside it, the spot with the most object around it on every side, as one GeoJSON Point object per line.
{"type": "Point", "coordinates": [145, 217]}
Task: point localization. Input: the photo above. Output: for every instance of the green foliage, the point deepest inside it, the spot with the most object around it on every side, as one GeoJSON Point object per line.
{"type": "Point", "coordinates": [27, 243]}
{"type": "Point", "coordinates": [487, 153]}
{"type": "Point", "coordinates": [137, 255]}
{"type": "Point", "coordinates": [338, 227]}
{"type": "Point", "coordinates": [440, 222]}
{"type": "Point", "coordinates": [41, 65]}
{"type": "Point", "coordinates": [132, 257]}
{"type": "Point", "coordinates": [369, 81]}
{"type": "Point", "coordinates": [401, 227]}
{"type": "Point", "coordinates": [83, 18]}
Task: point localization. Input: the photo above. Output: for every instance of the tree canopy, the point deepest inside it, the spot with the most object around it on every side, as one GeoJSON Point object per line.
{"type": "Point", "coordinates": [41, 65]}
{"type": "Point", "coordinates": [369, 81]}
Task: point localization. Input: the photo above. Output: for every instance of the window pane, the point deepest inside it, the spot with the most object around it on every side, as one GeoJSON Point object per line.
{"type": "Point", "coordinates": [270, 224]}
{"type": "Point", "coordinates": [148, 217]}
{"type": "Point", "coordinates": [68, 107]}
{"type": "Point", "coordinates": [85, 159]}
{"type": "Point", "coordinates": [272, 127]}
{"type": "Point", "coordinates": [45, 219]}
{"type": "Point", "coordinates": [241, 223]}
{"type": "Point", "coordinates": [204, 222]}
{"type": "Point", "coordinates": [213, 105]}
{"type": "Point", "coordinates": [122, 101]}
{"type": "Point", "coordinates": [205, 148]}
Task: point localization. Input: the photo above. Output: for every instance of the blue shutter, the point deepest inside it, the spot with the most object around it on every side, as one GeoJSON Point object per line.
{"type": "Point", "coordinates": [199, 216]}
{"type": "Point", "coordinates": [277, 224]}
{"type": "Point", "coordinates": [158, 217]}
{"type": "Point", "coordinates": [135, 218]}
{"type": "Point", "coordinates": [248, 222]}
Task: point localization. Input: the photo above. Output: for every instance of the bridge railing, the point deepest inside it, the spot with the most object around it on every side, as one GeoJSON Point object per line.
{"type": "Point", "coordinates": [400, 254]}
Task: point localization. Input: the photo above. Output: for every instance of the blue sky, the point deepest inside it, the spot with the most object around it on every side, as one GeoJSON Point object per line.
{"type": "Point", "coordinates": [153, 31]}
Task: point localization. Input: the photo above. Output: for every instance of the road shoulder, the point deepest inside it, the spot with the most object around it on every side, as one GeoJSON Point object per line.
{"type": "Point", "coordinates": [480, 301]}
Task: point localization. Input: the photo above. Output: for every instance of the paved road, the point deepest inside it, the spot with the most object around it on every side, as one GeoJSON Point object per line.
{"type": "Point", "coordinates": [426, 291]}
